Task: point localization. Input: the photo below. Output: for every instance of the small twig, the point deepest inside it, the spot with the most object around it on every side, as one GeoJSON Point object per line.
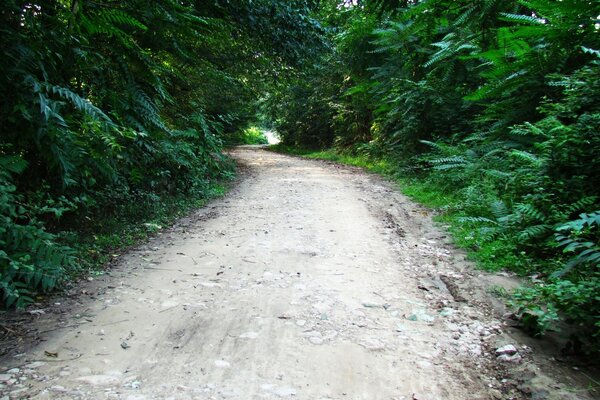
{"type": "Point", "coordinates": [115, 322]}
{"type": "Point", "coordinates": [62, 327]}
{"type": "Point", "coordinates": [590, 378]}
{"type": "Point", "coordinates": [167, 309]}
{"type": "Point", "coordinates": [8, 329]}
{"type": "Point", "coordinates": [65, 359]}
{"type": "Point", "coordinates": [377, 294]}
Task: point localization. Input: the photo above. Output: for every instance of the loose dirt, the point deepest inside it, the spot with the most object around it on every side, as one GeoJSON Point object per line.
{"type": "Point", "coordinates": [308, 281]}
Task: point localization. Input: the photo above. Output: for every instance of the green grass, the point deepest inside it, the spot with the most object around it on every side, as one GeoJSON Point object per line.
{"type": "Point", "coordinates": [495, 255]}
{"type": "Point", "coordinates": [382, 166]}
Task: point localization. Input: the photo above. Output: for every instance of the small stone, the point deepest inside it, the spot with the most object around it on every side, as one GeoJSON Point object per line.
{"type": "Point", "coordinates": [447, 311]}
{"type": "Point", "coordinates": [35, 364]}
{"type": "Point", "coordinates": [5, 377]}
{"type": "Point", "coordinates": [285, 391]}
{"type": "Point", "coordinates": [371, 305]}
{"type": "Point", "coordinates": [222, 364]}
{"type": "Point", "coordinates": [509, 349]}
{"type": "Point", "coordinates": [136, 384]}
{"type": "Point", "coordinates": [13, 371]}
{"type": "Point", "coordinates": [515, 358]}
{"type": "Point", "coordinates": [426, 317]}
{"type": "Point", "coordinates": [301, 322]}
{"type": "Point", "coordinates": [330, 334]}
{"type": "Point", "coordinates": [249, 335]}
{"type": "Point", "coordinates": [372, 344]}
{"type": "Point", "coordinates": [315, 340]}
{"type": "Point", "coordinates": [99, 380]}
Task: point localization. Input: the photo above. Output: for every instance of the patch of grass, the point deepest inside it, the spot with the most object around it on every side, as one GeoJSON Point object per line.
{"type": "Point", "coordinates": [427, 194]}
{"type": "Point", "coordinates": [381, 166]}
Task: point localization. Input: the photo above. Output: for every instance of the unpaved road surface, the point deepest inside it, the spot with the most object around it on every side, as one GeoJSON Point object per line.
{"type": "Point", "coordinates": [308, 281]}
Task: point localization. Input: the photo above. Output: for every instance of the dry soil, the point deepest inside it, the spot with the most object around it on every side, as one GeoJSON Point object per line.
{"type": "Point", "coordinates": [307, 281]}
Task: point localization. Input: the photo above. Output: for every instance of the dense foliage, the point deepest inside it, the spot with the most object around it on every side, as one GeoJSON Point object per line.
{"type": "Point", "coordinates": [111, 108]}
{"type": "Point", "coordinates": [492, 102]}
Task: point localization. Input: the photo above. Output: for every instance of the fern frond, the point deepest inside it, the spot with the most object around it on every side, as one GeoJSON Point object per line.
{"type": "Point", "coordinates": [448, 160]}
{"type": "Point", "coordinates": [530, 211]}
{"type": "Point", "coordinates": [527, 157]}
{"type": "Point", "coordinates": [584, 220]}
{"type": "Point", "coordinates": [433, 145]}
{"type": "Point", "coordinates": [477, 220]}
{"type": "Point", "coordinates": [535, 231]}
{"type": "Point", "coordinates": [79, 102]}
{"type": "Point", "coordinates": [581, 204]}
{"type": "Point", "coordinates": [518, 18]}
{"type": "Point", "coordinates": [499, 210]}
{"type": "Point", "coordinates": [590, 51]}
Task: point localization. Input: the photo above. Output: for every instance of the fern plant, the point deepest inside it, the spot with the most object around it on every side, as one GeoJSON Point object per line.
{"type": "Point", "coordinates": [580, 237]}
{"type": "Point", "coordinates": [31, 259]}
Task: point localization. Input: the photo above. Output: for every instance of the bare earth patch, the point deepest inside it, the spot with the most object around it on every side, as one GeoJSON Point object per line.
{"type": "Point", "coordinates": [308, 281]}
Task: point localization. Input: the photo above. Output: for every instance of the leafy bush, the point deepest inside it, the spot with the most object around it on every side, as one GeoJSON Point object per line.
{"type": "Point", "coordinates": [31, 259]}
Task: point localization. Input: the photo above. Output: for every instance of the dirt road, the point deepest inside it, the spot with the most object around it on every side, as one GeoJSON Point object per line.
{"type": "Point", "coordinates": [308, 281]}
